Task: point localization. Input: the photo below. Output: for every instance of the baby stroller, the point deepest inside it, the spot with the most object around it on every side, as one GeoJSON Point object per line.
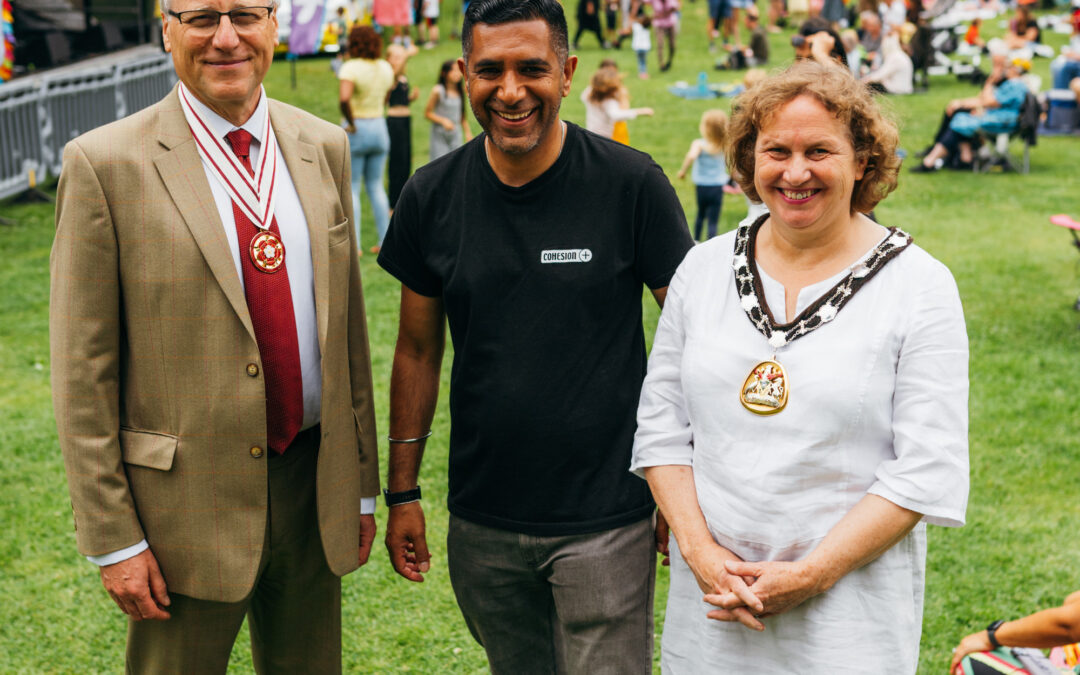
{"type": "Point", "coordinates": [1074, 228]}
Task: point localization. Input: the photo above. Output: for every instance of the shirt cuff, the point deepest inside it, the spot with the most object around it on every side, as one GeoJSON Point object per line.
{"type": "Point", "coordinates": [118, 556]}
{"type": "Point", "coordinates": [367, 507]}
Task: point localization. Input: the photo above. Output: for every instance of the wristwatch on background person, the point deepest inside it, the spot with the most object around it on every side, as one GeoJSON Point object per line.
{"type": "Point", "coordinates": [991, 631]}
{"type": "Point", "coordinates": [403, 497]}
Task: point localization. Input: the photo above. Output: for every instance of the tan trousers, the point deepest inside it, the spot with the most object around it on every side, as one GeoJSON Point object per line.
{"type": "Point", "coordinates": [294, 610]}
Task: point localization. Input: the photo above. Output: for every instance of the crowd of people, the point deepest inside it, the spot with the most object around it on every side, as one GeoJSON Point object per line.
{"type": "Point", "coordinates": [879, 44]}
{"type": "Point", "coordinates": [800, 421]}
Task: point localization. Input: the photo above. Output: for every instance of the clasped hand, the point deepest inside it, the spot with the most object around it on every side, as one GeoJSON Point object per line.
{"type": "Point", "coordinates": [760, 590]}
{"type": "Point", "coordinates": [747, 592]}
{"type": "Point", "coordinates": [715, 581]}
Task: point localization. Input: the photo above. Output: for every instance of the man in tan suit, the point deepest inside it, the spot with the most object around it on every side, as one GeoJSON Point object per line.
{"type": "Point", "coordinates": [211, 375]}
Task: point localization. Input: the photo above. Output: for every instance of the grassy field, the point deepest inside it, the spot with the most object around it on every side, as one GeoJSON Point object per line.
{"type": "Point", "coordinates": [1017, 274]}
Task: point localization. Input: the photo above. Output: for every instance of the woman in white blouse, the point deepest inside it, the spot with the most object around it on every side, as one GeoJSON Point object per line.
{"type": "Point", "coordinates": [805, 409]}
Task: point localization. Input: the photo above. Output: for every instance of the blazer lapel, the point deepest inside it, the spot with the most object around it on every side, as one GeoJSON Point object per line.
{"type": "Point", "coordinates": [302, 159]}
{"type": "Point", "coordinates": [180, 168]}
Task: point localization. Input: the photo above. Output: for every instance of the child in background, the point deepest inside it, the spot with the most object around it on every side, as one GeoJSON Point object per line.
{"type": "Point", "coordinates": [710, 171]}
{"type": "Point", "coordinates": [428, 23]}
{"type": "Point", "coordinates": [641, 43]}
{"type": "Point", "coordinates": [972, 37]}
{"type": "Point", "coordinates": [621, 132]}
{"type": "Point", "coordinates": [754, 77]}
{"type": "Point", "coordinates": [601, 99]}
{"type": "Point", "coordinates": [446, 112]}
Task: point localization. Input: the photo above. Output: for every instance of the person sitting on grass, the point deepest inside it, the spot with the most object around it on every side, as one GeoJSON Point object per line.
{"type": "Point", "coordinates": [1065, 68]}
{"type": "Point", "coordinates": [896, 74]}
{"type": "Point", "coordinates": [1049, 628]}
{"type": "Point", "coordinates": [995, 110]}
{"type": "Point", "coordinates": [757, 54]}
{"type": "Point", "coordinates": [1022, 39]}
{"type": "Point", "coordinates": [816, 40]}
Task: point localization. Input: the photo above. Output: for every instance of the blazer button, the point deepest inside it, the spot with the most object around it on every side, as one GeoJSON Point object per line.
{"type": "Point", "coordinates": [252, 369]}
{"type": "Point", "coordinates": [256, 451]}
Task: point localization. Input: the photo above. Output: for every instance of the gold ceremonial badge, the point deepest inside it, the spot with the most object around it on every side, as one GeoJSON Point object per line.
{"type": "Point", "coordinates": [267, 252]}
{"type": "Point", "coordinates": [765, 391]}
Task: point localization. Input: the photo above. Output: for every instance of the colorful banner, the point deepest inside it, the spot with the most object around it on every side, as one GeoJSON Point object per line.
{"type": "Point", "coordinates": [7, 41]}
{"type": "Point", "coordinates": [305, 26]}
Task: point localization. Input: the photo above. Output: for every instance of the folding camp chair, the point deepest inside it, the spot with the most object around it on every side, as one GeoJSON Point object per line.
{"type": "Point", "coordinates": [995, 152]}
{"type": "Point", "coordinates": [1074, 228]}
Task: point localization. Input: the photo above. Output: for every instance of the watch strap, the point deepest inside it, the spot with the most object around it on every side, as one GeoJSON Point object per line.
{"type": "Point", "coordinates": [402, 497]}
{"type": "Point", "coordinates": [991, 633]}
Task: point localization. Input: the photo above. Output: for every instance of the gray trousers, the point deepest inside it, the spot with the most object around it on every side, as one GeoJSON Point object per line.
{"type": "Point", "coordinates": [566, 604]}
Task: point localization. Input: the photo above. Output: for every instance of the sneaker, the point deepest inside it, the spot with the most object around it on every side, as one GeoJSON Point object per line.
{"type": "Point", "coordinates": [922, 168]}
{"type": "Point", "coordinates": [643, 76]}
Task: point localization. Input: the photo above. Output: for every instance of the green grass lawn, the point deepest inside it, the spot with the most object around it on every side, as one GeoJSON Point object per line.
{"type": "Point", "coordinates": [1018, 278]}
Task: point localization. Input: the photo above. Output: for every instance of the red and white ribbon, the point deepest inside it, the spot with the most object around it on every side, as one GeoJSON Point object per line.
{"type": "Point", "coordinates": [253, 194]}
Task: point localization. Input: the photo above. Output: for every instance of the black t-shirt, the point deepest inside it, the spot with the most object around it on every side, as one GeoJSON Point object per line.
{"type": "Point", "coordinates": [542, 286]}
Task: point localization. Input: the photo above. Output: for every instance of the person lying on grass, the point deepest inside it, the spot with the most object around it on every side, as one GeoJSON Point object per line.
{"type": "Point", "coordinates": [1049, 628]}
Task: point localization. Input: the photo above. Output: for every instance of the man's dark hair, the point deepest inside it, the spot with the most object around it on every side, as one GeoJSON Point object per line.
{"type": "Point", "coordinates": [818, 24]}
{"type": "Point", "coordinates": [496, 12]}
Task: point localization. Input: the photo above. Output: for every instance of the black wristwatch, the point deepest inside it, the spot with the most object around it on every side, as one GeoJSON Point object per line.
{"type": "Point", "coordinates": [990, 633]}
{"type": "Point", "coordinates": [403, 497]}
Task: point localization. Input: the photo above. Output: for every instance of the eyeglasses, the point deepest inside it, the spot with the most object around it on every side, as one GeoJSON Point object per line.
{"type": "Point", "coordinates": [243, 19]}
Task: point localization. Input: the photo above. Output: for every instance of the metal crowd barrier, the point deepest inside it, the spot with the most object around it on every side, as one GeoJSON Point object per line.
{"type": "Point", "coordinates": [20, 138]}
{"type": "Point", "coordinates": [38, 118]}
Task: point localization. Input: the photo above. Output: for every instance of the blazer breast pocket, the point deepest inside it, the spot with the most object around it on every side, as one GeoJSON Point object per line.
{"type": "Point", "coordinates": [148, 448]}
{"type": "Point", "coordinates": [338, 234]}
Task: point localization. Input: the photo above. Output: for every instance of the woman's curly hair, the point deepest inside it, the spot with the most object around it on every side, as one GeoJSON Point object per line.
{"type": "Point", "coordinates": [873, 132]}
{"type": "Point", "coordinates": [364, 43]}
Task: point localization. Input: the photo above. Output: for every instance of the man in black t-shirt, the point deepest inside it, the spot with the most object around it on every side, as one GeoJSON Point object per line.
{"type": "Point", "coordinates": [534, 241]}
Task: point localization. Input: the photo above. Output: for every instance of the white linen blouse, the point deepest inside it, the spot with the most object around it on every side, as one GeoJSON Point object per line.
{"type": "Point", "coordinates": [877, 404]}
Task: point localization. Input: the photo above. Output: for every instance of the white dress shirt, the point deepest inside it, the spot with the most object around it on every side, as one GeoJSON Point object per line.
{"type": "Point", "coordinates": [293, 227]}
{"type": "Point", "coordinates": [877, 405]}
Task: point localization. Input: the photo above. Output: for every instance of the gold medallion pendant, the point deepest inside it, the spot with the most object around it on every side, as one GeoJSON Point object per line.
{"type": "Point", "coordinates": [765, 391]}
{"type": "Point", "coordinates": [267, 251]}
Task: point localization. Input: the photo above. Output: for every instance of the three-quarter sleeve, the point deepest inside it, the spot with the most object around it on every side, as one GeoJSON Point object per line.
{"type": "Point", "coordinates": [929, 473]}
{"type": "Point", "coordinates": [663, 428]}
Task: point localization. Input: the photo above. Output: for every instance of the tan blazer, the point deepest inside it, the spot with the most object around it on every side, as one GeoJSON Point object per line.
{"type": "Point", "coordinates": [157, 382]}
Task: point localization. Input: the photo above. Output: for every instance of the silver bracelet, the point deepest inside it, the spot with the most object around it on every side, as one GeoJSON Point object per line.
{"type": "Point", "coordinates": [408, 440]}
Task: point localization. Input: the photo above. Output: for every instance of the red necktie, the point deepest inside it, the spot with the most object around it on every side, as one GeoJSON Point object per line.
{"type": "Point", "coordinates": [269, 302]}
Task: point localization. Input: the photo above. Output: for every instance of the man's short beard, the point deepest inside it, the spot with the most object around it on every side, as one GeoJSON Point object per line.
{"type": "Point", "coordinates": [517, 150]}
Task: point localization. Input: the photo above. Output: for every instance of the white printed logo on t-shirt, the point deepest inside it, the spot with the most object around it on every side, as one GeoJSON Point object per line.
{"type": "Point", "coordinates": [567, 255]}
